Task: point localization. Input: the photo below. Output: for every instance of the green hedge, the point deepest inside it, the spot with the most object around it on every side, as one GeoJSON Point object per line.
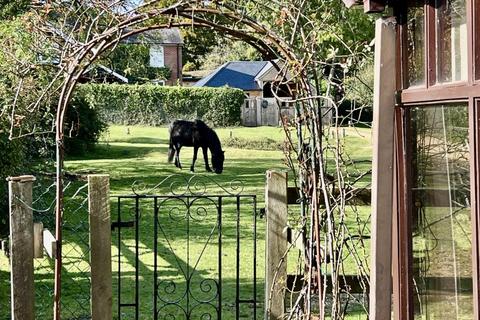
{"type": "Point", "coordinates": [155, 105]}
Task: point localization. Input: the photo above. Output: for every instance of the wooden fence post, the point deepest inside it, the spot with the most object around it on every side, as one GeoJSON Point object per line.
{"type": "Point", "coordinates": [100, 246]}
{"type": "Point", "coordinates": [21, 247]}
{"type": "Point", "coordinates": [258, 112]}
{"type": "Point", "coordinates": [382, 170]}
{"type": "Point", "coordinates": [38, 240]}
{"type": "Point", "coordinates": [276, 244]}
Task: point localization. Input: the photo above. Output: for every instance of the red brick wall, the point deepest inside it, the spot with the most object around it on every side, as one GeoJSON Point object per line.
{"type": "Point", "coordinates": [173, 60]}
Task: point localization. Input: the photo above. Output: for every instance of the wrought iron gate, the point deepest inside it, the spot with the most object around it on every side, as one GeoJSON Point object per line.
{"type": "Point", "coordinates": [181, 243]}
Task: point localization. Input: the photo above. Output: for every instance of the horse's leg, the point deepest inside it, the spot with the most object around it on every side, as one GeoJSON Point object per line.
{"type": "Point", "coordinates": [195, 151]}
{"type": "Point", "coordinates": [205, 157]}
{"type": "Point", "coordinates": [171, 151]}
{"type": "Point", "coordinates": [175, 160]}
{"type": "Point", "coordinates": [177, 157]}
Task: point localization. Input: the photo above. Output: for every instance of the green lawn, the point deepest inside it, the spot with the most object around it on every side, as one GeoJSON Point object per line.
{"type": "Point", "coordinates": [139, 154]}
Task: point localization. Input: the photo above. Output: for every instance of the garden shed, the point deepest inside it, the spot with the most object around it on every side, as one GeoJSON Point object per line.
{"type": "Point", "coordinates": [255, 78]}
{"type": "Point", "coordinates": [426, 135]}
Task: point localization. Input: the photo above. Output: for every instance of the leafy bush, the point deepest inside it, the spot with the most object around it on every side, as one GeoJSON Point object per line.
{"type": "Point", "coordinates": [155, 105]}
{"type": "Point", "coordinates": [24, 155]}
{"type": "Point", "coordinates": [83, 127]}
{"type": "Point", "coordinates": [12, 155]}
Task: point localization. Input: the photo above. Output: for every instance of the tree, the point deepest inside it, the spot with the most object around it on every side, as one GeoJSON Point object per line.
{"type": "Point", "coordinates": [228, 50]}
{"type": "Point", "coordinates": [197, 43]}
{"type": "Point", "coordinates": [133, 61]}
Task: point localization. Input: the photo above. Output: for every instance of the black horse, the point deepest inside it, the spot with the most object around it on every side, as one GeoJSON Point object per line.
{"type": "Point", "coordinates": [195, 134]}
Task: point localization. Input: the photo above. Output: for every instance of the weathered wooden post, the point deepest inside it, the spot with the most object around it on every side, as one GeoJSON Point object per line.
{"type": "Point", "coordinates": [21, 247]}
{"type": "Point", "coordinates": [276, 244]}
{"type": "Point", "coordinates": [100, 246]}
{"type": "Point", "coordinates": [38, 240]}
{"type": "Point", "coordinates": [382, 170]}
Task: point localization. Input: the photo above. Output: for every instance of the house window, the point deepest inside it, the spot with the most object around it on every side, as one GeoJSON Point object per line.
{"type": "Point", "coordinates": [438, 204]}
{"type": "Point", "coordinates": [416, 43]}
{"type": "Point", "coordinates": [436, 40]}
{"type": "Point", "coordinates": [451, 40]}
{"type": "Point", "coordinates": [157, 56]}
{"type": "Point", "coordinates": [441, 213]}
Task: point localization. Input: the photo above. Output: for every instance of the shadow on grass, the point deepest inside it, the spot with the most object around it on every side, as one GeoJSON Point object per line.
{"type": "Point", "coordinates": [250, 174]}
{"type": "Point", "coordinates": [173, 262]}
{"type": "Point", "coordinates": [112, 152]}
{"type": "Point", "coordinates": [144, 140]}
{"type": "Point", "coordinates": [177, 296]}
{"type": "Point", "coordinates": [188, 260]}
{"type": "Point", "coordinates": [4, 294]}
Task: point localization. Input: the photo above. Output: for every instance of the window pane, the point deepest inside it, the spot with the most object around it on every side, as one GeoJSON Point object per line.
{"type": "Point", "coordinates": [451, 27]}
{"type": "Point", "coordinates": [441, 222]}
{"type": "Point", "coordinates": [416, 43]}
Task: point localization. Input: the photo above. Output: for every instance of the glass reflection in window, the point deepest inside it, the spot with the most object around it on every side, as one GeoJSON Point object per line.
{"type": "Point", "coordinates": [451, 30]}
{"type": "Point", "coordinates": [416, 43]}
{"type": "Point", "coordinates": [441, 221]}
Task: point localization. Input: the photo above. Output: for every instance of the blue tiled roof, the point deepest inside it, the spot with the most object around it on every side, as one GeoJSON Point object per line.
{"type": "Point", "coordinates": [237, 74]}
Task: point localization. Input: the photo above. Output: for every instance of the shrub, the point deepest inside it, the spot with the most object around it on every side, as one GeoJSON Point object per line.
{"type": "Point", "coordinates": [83, 127]}
{"type": "Point", "coordinates": [155, 105]}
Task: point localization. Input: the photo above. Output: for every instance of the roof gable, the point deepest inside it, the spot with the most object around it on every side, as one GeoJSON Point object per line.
{"type": "Point", "coordinates": [236, 74]}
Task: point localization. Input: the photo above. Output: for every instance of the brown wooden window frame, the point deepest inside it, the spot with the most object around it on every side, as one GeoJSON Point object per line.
{"type": "Point", "coordinates": [476, 40]}
{"type": "Point", "coordinates": [432, 93]}
{"type": "Point", "coordinates": [403, 260]}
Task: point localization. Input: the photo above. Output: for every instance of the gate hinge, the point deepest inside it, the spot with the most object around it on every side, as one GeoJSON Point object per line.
{"type": "Point", "coordinates": [398, 97]}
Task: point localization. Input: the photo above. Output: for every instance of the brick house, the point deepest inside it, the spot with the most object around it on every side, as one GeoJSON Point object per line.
{"type": "Point", "coordinates": [165, 50]}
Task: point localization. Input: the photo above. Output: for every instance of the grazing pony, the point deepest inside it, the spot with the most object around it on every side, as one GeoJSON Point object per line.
{"type": "Point", "coordinates": [195, 134]}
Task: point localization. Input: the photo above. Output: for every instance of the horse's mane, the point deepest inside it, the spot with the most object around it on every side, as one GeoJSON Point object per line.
{"type": "Point", "coordinates": [215, 143]}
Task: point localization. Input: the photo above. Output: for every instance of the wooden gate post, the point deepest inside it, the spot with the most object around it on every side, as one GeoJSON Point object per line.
{"type": "Point", "coordinates": [21, 247]}
{"type": "Point", "coordinates": [382, 169]}
{"type": "Point", "coordinates": [276, 244]}
{"type": "Point", "coordinates": [100, 246]}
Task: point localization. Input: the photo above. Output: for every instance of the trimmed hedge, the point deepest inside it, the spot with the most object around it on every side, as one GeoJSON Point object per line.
{"type": "Point", "coordinates": [155, 105]}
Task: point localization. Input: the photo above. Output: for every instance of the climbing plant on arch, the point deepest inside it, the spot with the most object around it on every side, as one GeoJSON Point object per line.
{"type": "Point", "coordinates": [312, 52]}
